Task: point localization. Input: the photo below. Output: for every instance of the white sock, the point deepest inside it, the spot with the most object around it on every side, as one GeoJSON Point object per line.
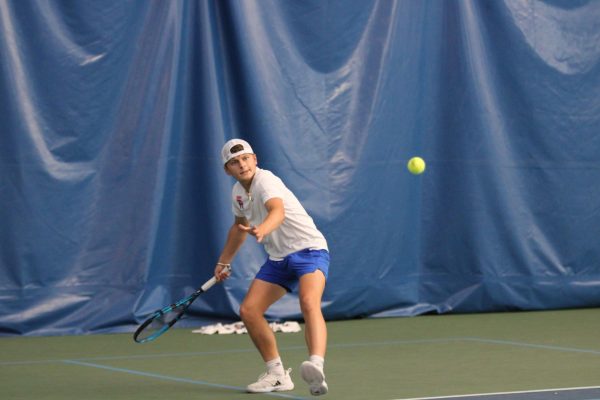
{"type": "Point", "coordinates": [275, 366]}
{"type": "Point", "coordinates": [317, 360]}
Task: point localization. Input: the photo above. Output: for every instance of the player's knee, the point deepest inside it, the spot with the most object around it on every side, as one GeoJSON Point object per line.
{"type": "Point", "coordinates": [309, 305]}
{"type": "Point", "coordinates": [248, 313]}
{"type": "Point", "coordinates": [243, 311]}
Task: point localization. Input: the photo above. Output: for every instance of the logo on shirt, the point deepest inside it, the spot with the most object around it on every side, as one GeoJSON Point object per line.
{"type": "Point", "coordinates": [240, 202]}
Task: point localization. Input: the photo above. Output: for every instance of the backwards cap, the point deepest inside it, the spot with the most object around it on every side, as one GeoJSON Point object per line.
{"type": "Point", "coordinates": [234, 148]}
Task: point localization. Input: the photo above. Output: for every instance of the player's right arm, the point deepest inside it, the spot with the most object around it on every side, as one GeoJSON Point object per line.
{"type": "Point", "coordinates": [235, 239]}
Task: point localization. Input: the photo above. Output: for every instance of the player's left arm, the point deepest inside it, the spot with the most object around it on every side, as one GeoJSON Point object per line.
{"type": "Point", "coordinates": [274, 218]}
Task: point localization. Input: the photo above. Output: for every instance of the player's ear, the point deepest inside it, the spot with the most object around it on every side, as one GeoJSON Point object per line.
{"type": "Point", "coordinates": [226, 170]}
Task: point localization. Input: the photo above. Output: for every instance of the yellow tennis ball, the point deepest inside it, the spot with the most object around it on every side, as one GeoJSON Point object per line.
{"type": "Point", "coordinates": [416, 165]}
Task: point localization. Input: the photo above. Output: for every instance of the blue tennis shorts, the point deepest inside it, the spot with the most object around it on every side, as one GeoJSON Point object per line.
{"type": "Point", "coordinates": [288, 271]}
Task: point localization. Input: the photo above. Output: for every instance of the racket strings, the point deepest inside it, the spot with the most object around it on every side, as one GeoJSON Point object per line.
{"type": "Point", "coordinates": [166, 318]}
{"type": "Point", "coordinates": [161, 322]}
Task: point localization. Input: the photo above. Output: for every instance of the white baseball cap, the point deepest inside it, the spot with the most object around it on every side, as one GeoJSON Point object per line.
{"type": "Point", "coordinates": [234, 148]}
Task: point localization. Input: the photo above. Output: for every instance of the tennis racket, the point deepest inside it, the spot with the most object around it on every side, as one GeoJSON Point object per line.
{"type": "Point", "coordinates": [163, 319]}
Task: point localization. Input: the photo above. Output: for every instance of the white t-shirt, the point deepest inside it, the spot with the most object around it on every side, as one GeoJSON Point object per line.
{"type": "Point", "coordinates": [298, 230]}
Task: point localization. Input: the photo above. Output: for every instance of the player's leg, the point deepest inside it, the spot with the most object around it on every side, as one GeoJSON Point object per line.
{"type": "Point", "coordinates": [310, 292]}
{"type": "Point", "coordinates": [311, 287]}
{"type": "Point", "coordinates": [259, 298]}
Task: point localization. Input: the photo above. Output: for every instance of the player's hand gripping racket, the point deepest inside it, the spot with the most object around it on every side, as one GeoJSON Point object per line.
{"type": "Point", "coordinates": [163, 319]}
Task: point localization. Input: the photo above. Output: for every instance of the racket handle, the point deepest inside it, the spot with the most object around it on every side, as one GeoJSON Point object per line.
{"type": "Point", "coordinates": [211, 282]}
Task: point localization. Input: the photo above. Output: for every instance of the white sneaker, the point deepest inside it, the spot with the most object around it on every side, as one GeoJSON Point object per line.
{"type": "Point", "coordinates": [314, 376]}
{"type": "Point", "coordinates": [272, 383]}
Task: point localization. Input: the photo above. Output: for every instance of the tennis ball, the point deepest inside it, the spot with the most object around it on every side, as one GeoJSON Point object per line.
{"type": "Point", "coordinates": [416, 165]}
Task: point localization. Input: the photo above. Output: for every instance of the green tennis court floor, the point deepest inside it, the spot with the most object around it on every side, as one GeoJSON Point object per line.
{"type": "Point", "coordinates": [525, 355]}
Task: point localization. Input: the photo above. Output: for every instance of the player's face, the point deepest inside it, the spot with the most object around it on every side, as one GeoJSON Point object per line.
{"type": "Point", "coordinates": [242, 167]}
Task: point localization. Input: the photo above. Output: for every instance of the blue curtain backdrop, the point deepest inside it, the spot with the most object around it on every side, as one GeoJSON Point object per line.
{"type": "Point", "coordinates": [113, 200]}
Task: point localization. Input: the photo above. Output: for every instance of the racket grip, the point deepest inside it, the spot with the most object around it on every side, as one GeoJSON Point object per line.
{"type": "Point", "coordinates": [211, 282]}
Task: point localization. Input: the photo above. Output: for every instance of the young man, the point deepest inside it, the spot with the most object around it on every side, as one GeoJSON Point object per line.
{"type": "Point", "coordinates": [297, 258]}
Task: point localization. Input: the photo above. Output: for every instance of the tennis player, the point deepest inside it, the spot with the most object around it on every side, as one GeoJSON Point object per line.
{"type": "Point", "coordinates": [298, 258]}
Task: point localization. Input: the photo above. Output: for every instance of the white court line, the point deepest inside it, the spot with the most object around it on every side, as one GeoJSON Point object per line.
{"type": "Point", "coordinates": [331, 346]}
{"type": "Point", "coordinates": [173, 378]}
{"type": "Point", "coordinates": [502, 393]}
{"type": "Point", "coordinates": [532, 345]}
{"type": "Point", "coordinates": [233, 351]}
